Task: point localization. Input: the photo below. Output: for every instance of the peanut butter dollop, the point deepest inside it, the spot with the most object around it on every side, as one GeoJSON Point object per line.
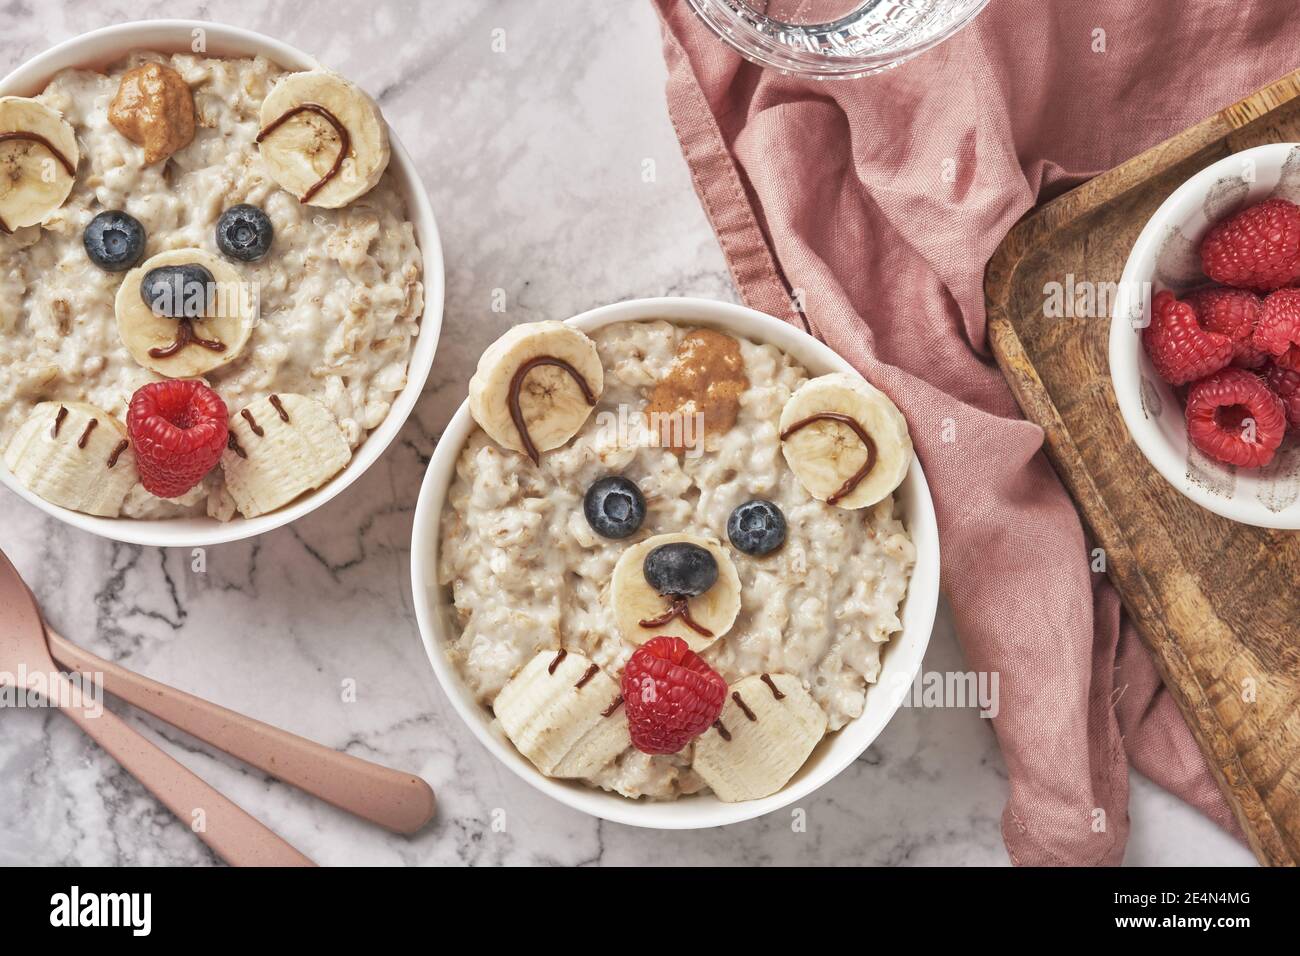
{"type": "Point", "coordinates": [154, 108]}
{"type": "Point", "coordinates": [707, 378]}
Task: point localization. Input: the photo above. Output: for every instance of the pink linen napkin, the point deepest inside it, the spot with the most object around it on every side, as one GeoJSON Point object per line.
{"type": "Point", "coordinates": [879, 201]}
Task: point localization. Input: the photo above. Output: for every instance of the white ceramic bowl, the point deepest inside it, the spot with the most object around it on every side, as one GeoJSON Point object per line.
{"type": "Point", "coordinates": [901, 661]}
{"type": "Point", "coordinates": [1165, 257]}
{"type": "Point", "coordinates": [101, 48]}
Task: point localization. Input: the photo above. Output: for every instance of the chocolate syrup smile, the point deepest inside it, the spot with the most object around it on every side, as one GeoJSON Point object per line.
{"type": "Point", "coordinates": [185, 335]}
{"type": "Point", "coordinates": [70, 169]}
{"type": "Point", "coordinates": [517, 383]}
{"type": "Point", "coordinates": [845, 489]}
{"type": "Point", "coordinates": [345, 141]}
{"type": "Point", "coordinates": [678, 608]}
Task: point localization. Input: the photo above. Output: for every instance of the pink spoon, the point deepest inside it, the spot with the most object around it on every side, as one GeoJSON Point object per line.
{"type": "Point", "coordinates": [401, 802]}
{"type": "Point", "coordinates": [231, 833]}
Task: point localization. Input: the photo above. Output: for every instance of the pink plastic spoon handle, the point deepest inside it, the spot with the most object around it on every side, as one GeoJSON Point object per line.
{"type": "Point", "coordinates": [232, 834]}
{"type": "Point", "coordinates": [400, 802]}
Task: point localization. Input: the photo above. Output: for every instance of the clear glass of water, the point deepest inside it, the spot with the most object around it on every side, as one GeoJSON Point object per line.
{"type": "Point", "coordinates": [835, 39]}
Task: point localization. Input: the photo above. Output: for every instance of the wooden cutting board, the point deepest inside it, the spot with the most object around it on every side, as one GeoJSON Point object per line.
{"type": "Point", "coordinates": [1218, 602]}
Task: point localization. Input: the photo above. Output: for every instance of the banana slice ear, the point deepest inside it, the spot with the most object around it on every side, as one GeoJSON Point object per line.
{"type": "Point", "coordinates": [323, 139]}
{"type": "Point", "coordinates": [38, 162]}
{"type": "Point", "coordinates": [75, 456]}
{"type": "Point", "coordinates": [632, 599]}
{"type": "Point", "coordinates": [768, 727]}
{"type": "Point", "coordinates": [233, 312]}
{"type": "Point", "coordinates": [563, 713]}
{"type": "Point", "coordinates": [281, 447]}
{"type": "Point", "coordinates": [535, 386]}
{"type": "Point", "coordinates": [846, 442]}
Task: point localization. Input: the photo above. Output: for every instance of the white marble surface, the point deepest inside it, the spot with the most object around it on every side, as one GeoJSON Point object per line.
{"type": "Point", "coordinates": [534, 158]}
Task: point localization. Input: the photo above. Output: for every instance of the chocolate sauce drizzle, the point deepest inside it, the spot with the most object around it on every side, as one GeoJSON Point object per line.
{"type": "Point", "coordinates": [845, 489]}
{"type": "Point", "coordinates": [252, 423]}
{"type": "Point", "coordinates": [722, 730]}
{"type": "Point", "coordinates": [122, 446]}
{"type": "Point", "coordinates": [233, 444]}
{"type": "Point", "coordinates": [185, 335]}
{"type": "Point", "coordinates": [612, 707]}
{"type": "Point", "coordinates": [740, 702]}
{"type": "Point", "coordinates": [85, 436]}
{"type": "Point", "coordinates": [517, 383]}
{"type": "Point", "coordinates": [771, 685]}
{"type": "Point", "coordinates": [678, 608]}
{"type": "Point", "coordinates": [559, 659]}
{"type": "Point", "coordinates": [70, 169]}
{"type": "Point", "coordinates": [345, 141]}
{"type": "Point", "coordinates": [58, 421]}
{"type": "Point", "coordinates": [279, 408]}
{"type": "Point", "coordinates": [591, 672]}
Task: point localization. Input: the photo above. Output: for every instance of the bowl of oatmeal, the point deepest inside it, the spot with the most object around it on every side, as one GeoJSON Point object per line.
{"type": "Point", "coordinates": [696, 487]}
{"type": "Point", "coordinates": [203, 204]}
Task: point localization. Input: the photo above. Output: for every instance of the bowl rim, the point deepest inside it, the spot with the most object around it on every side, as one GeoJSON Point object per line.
{"type": "Point", "coordinates": [225, 40]}
{"type": "Point", "coordinates": [919, 609]}
{"type": "Point", "coordinates": [1124, 354]}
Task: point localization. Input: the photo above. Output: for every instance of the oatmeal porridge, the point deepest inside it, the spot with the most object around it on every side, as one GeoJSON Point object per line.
{"type": "Point", "coordinates": [196, 173]}
{"type": "Point", "coordinates": [658, 609]}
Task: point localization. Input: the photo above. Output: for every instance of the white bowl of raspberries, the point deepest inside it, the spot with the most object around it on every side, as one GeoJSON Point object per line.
{"type": "Point", "coordinates": [1205, 338]}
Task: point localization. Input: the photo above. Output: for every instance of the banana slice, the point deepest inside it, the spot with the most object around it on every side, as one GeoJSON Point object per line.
{"type": "Point", "coordinates": [233, 309]}
{"type": "Point", "coordinates": [633, 600]}
{"type": "Point", "coordinates": [38, 162]}
{"type": "Point", "coordinates": [563, 713]}
{"type": "Point", "coordinates": [546, 376]}
{"type": "Point", "coordinates": [323, 139]}
{"type": "Point", "coordinates": [845, 440]}
{"type": "Point", "coordinates": [280, 447]}
{"type": "Point", "coordinates": [764, 735]}
{"type": "Point", "coordinates": [75, 456]}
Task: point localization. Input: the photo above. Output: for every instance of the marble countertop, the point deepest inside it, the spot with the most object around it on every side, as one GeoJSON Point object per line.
{"type": "Point", "coordinates": [532, 125]}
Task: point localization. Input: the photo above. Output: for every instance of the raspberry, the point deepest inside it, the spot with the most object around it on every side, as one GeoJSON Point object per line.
{"type": "Point", "coordinates": [1278, 329]}
{"type": "Point", "coordinates": [1231, 312]}
{"type": "Point", "coordinates": [178, 430]}
{"type": "Point", "coordinates": [1258, 248]}
{"type": "Point", "coordinates": [1235, 418]}
{"type": "Point", "coordinates": [1285, 384]}
{"type": "Point", "coordinates": [671, 695]}
{"type": "Point", "coordinates": [1179, 348]}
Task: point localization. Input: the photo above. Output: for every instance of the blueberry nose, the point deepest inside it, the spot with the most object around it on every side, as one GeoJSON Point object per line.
{"type": "Point", "coordinates": [680, 569]}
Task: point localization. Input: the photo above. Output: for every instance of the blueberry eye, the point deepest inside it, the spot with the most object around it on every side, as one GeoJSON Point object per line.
{"type": "Point", "coordinates": [680, 569]}
{"type": "Point", "coordinates": [114, 241]}
{"type": "Point", "coordinates": [614, 507]}
{"type": "Point", "coordinates": [244, 233]}
{"type": "Point", "coordinates": [757, 527]}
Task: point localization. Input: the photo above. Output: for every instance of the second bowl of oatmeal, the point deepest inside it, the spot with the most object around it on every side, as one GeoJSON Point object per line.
{"type": "Point", "coordinates": [535, 586]}
{"type": "Point", "coordinates": [338, 284]}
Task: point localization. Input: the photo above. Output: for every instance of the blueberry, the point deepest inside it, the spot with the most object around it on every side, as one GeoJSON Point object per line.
{"type": "Point", "coordinates": [244, 232]}
{"type": "Point", "coordinates": [680, 569]}
{"type": "Point", "coordinates": [614, 507]}
{"type": "Point", "coordinates": [757, 527]}
{"type": "Point", "coordinates": [178, 292]}
{"type": "Point", "coordinates": [114, 241]}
